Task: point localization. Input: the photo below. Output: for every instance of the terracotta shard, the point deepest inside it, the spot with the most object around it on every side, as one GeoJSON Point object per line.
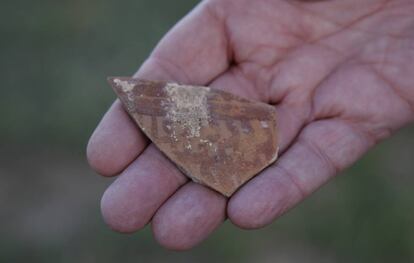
{"type": "Point", "coordinates": [216, 138]}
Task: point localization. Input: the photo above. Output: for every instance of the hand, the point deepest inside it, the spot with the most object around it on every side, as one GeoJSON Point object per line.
{"type": "Point", "coordinates": [340, 74]}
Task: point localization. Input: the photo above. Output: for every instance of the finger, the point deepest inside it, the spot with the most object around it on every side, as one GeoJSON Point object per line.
{"type": "Point", "coordinates": [194, 52]}
{"type": "Point", "coordinates": [323, 149]}
{"type": "Point", "coordinates": [115, 142]}
{"type": "Point", "coordinates": [131, 201]}
{"type": "Point", "coordinates": [188, 217]}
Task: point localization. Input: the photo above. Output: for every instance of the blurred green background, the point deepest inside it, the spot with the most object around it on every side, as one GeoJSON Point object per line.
{"type": "Point", "coordinates": [54, 59]}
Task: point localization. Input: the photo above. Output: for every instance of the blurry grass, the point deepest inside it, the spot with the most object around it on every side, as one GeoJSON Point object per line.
{"type": "Point", "coordinates": [55, 57]}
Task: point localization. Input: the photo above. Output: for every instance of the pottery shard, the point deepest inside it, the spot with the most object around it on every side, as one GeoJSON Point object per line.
{"type": "Point", "coordinates": [216, 138]}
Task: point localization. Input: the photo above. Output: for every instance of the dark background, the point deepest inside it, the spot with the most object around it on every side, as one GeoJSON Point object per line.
{"type": "Point", "coordinates": [54, 59]}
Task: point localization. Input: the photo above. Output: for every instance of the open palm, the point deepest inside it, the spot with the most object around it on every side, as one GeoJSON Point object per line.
{"type": "Point", "coordinates": [340, 73]}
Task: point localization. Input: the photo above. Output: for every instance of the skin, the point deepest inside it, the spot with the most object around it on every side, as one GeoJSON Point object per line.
{"type": "Point", "coordinates": [340, 73]}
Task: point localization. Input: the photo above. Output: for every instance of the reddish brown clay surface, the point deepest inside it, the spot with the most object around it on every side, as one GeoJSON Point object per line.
{"type": "Point", "coordinates": [217, 139]}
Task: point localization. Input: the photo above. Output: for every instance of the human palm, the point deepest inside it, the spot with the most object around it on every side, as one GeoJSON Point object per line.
{"type": "Point", "coordinates": [340, 74]}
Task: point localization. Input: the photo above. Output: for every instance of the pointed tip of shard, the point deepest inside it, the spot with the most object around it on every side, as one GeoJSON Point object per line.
{"type": "Point", "coordinates": [214, 137]}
